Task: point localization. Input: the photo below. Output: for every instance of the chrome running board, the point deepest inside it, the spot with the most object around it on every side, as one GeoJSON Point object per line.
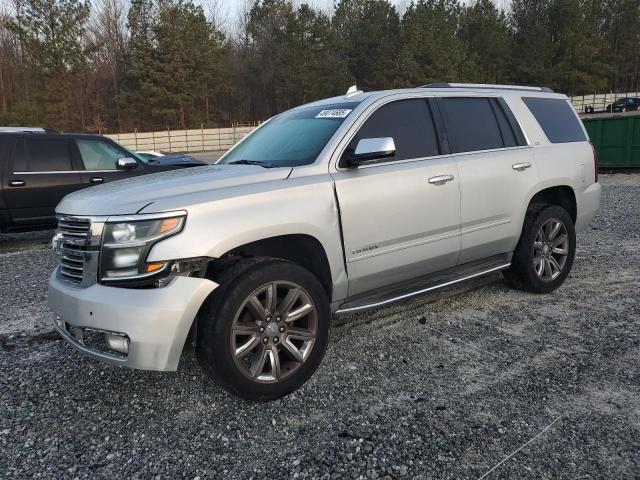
{"type": "Point", "coordinates": [396, 295]}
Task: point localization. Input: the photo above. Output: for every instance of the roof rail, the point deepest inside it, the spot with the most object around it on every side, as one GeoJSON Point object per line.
{"type": "Point", "coordinates": [487, 87]}
{"type": "Point", "coordinates": [23, 129]}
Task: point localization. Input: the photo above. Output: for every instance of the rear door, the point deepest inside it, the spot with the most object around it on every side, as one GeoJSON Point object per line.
{"type": "Point", "coordinates": [6, 140]}
{"type": "Point", "coordinates": [41, 173]}
{"type": "Point", "coordinates": [99, 157]}
{"type": "Point", "coordinates": [399, 222]}
{"type": "Point", "coordinates": [496, 170]}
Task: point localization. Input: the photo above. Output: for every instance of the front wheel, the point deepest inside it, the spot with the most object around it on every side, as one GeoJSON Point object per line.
{"type": "Point", "coordinates": [264, 331]}
{"type": "Point", "coordinates": [544, 255]}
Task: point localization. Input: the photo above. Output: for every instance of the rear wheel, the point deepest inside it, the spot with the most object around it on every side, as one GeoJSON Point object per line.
{"type": "Point", "coordinates": [264, 331]}
{"type": "Point", "coordinates": [544, 255]}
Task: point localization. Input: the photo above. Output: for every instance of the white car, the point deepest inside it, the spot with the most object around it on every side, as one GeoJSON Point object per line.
{"type": "Point", "coordinates": [337, 206]}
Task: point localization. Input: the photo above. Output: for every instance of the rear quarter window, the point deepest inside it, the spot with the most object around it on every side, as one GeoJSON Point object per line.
{"type": "Point", "coordinates": [557, 119]}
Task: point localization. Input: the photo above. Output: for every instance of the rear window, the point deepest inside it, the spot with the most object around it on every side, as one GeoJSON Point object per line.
{"type": "Point", "coordinates": [42, 155]}
{"type": "Point", "coordinates": [557, 119]}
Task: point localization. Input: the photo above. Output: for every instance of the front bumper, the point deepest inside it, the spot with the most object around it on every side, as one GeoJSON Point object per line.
{"type": "Point", "coordinates": [156, 321]}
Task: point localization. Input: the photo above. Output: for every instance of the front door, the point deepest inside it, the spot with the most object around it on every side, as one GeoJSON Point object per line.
{"type": "Point", "coordinates": [399, 222]}
{"type": "Point", "coordinates": [99, 158]}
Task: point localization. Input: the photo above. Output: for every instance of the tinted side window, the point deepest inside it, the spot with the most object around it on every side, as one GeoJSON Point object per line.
{"type": "Point", "coordinates": [511, 118]}
{"type": "Point", "coordinates": [410, 124]}
{"type": "Point", "coordinates": [20, 157]}
{"type": "Point", "coordinates": [471, 124]}
{"type": "Point", "coordinates": [98, 155]}
{"type": "Point", "coordinates": [42, 155]}
{"type": "Point", "coordinates": [557, 119]}
{"type": "Point", "coordinates": [508, 136]}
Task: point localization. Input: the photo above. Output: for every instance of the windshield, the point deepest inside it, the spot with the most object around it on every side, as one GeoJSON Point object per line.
{"type": "Point", "coordinates": [292, 138]}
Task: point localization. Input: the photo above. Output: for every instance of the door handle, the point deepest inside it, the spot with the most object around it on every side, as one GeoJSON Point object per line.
{"type": "Point", "coordinates": [440, 179]}
{"type": "Point", "coordinates": [97, 179]}
{"type": "Point", "coordinates": [16, 183]}
{"type": "Point", "coordinates": [521, 166]}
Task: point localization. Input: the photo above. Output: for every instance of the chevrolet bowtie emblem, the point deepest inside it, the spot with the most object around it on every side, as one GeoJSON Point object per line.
{"type": "Point", "coordinates": [56, 243]}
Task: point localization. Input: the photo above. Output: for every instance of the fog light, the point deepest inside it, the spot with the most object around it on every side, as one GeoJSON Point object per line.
{"type": "Point", "coordinates": [119, 343]}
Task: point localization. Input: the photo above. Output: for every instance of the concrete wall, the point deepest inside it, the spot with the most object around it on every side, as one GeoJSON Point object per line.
{"type": "Point", "coordinates": [598, 101]}
{"type": "Point", "coordinates": [196, 140]}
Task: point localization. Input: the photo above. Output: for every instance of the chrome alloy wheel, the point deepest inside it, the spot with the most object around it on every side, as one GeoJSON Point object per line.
{"type": "Point", "coordinates": [274, 331]}
{"type": "Point", "coordinates": [550, 249]}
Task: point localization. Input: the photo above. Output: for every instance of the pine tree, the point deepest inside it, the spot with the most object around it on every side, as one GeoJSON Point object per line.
{"type": "Point", "coordinates": [51, 36]}
{"type": "Point", "coordinates": [368, 40]}
{"type": "Point", "coordinates": [431, 49]}
{"type": "Point", "coordinates": [187, 65]}
{"type": "Point", "coordinates": [485, 33]}
{"type": "Point", "coordinates": [621, 33]}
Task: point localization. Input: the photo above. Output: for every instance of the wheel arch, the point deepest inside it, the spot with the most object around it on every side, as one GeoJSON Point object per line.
{"type": "Point", "coordinates": [561, 195]}
{"type": "Point", "coordinates": [302, 249]}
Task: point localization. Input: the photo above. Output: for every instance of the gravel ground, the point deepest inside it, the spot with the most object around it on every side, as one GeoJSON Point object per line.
{"type": "Point", "coordinates": [443, 386]}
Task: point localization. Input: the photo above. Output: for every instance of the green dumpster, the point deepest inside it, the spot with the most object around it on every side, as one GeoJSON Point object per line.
{"type": "Point", "coordinates": [616, 138]}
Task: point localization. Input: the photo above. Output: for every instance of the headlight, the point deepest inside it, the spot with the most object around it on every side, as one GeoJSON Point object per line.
{"type": "Point", "coordinates": [126, 244]}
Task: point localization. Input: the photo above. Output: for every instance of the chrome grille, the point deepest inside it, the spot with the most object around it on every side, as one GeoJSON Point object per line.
{"type": "Point", "coordinates": [77, 243]}
{"type": "Point", "coordinates": [74, 229]}
{"type": "Point", "coordinates": [71, 254]}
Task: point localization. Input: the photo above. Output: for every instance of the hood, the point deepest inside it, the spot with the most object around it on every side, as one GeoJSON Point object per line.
{"type": "Point", "coordinates": [182, 160]}
{"type": "Point", "coordinates": [129, 196]}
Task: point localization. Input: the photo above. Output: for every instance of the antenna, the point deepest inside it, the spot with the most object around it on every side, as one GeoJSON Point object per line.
{"type": "Point", "coordinates": [353, 90]}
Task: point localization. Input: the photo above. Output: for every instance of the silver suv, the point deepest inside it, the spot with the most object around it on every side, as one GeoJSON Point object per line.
{"type": "Point", "coordinates": [336, 206]}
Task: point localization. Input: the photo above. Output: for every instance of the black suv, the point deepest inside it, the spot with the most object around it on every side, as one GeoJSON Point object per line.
{"type": "Point", "coordinates": [624, 105]}
{"type": "Point", "coordinates": [38, 168]}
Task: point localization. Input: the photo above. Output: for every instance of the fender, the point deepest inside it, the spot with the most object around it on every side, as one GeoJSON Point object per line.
{"type": "Point", "coordinates": [298, 206]}
{"type": "Point", "coordinates": [539, 187]}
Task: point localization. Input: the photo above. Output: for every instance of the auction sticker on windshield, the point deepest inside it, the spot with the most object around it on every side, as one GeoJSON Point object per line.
{"type": "Point", "coordinates": [334, 113]}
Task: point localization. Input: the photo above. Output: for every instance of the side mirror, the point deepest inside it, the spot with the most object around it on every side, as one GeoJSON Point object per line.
{"type": "Point", "coordinates": [126, 163]}
{"type": "Point", "coordinates": [372, 150]}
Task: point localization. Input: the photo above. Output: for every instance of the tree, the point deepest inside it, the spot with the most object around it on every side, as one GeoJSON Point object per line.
{"type": "Point", "coordinates": [532, 53]}
{"type": "Point", "coordinates": [51, 34]}
{"type": "Point", "coordinates": [108, 43]}
{"type": "Point", "coordinates": [484, 32]}
{"type": "Point", "coordinates": [620, 22]}
{"type": "Point", "coordinates": [558, 43]}
{"type": "Point", "coordinates": [579, 64]}
{"type": "Point", "coordinates": [188, 65]}
{"type": "Point", "coordinates": [320, 72]}
{"type": "Point", "coordinates": [137, 87]}
{"type": "Point", "coordinates": [287, 57]}
{"type": "Point", "coordinates": [167, 63]}
{"type": "Point", "coordinates": [368, 40]}
{"type": "Point", "coordinates": [431, 49]}
{"type": "Point", "coordinates": [268, 57]}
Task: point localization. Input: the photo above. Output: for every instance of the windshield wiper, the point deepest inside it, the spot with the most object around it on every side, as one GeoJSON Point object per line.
{"type": "Point", "coordinates": [253, 162]}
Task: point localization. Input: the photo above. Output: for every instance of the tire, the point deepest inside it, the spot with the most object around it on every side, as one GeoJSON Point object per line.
{"type": "Point", "coordinates": [539, 249]}
{"type": "Point", "coordinates": [258, 355]}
